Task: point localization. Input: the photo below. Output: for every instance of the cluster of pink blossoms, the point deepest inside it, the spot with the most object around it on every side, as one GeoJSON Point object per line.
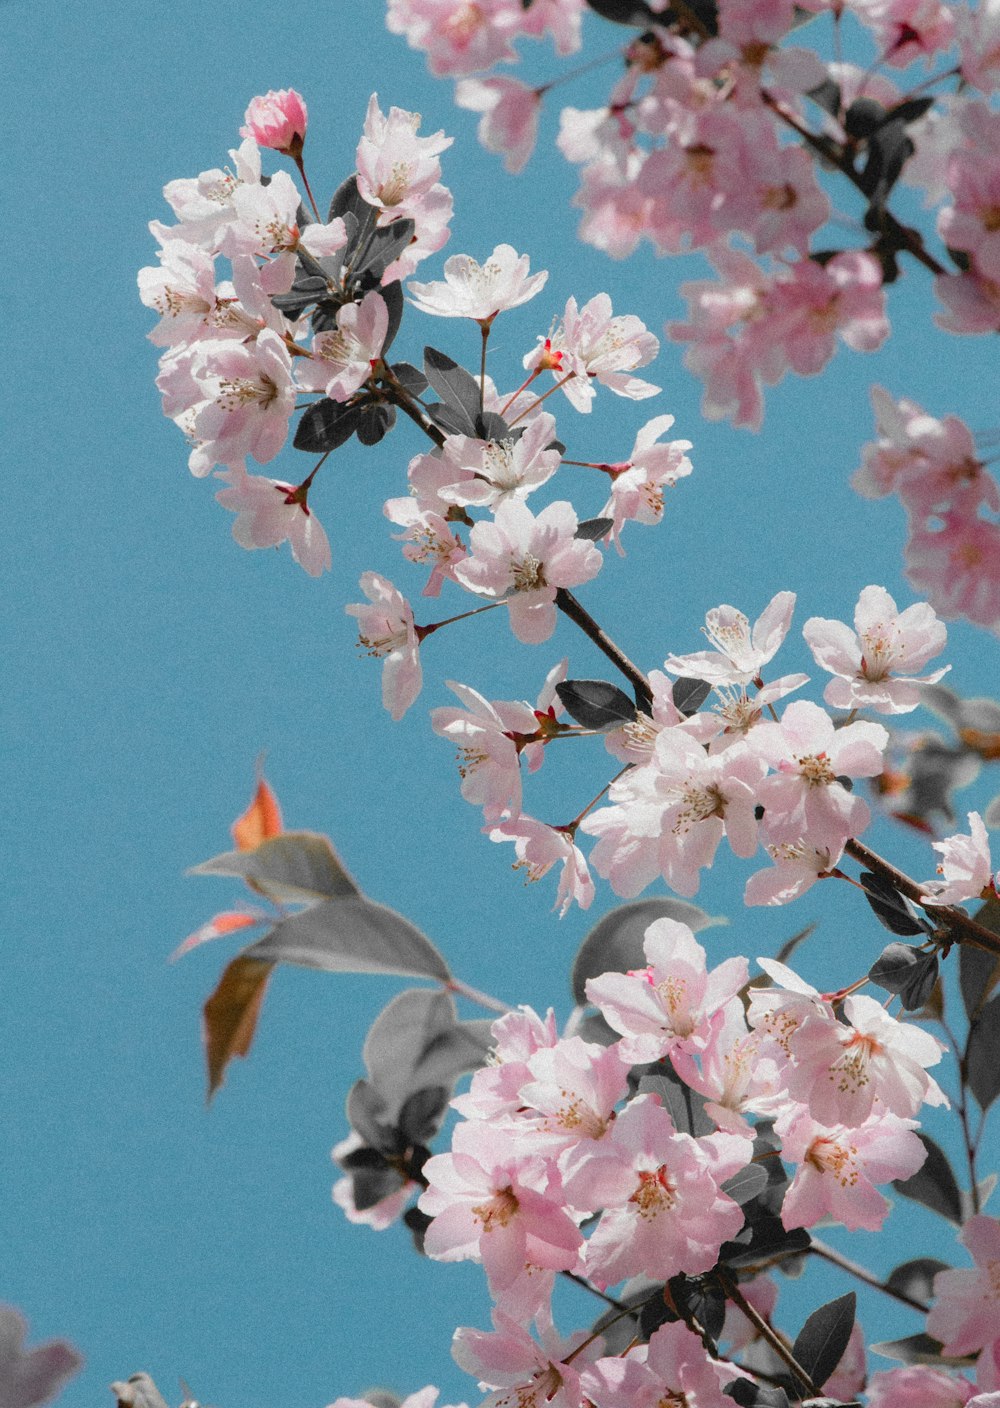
{"type": "Point", "coordinates": [726, 772]}
{"type": "Point", "coordinates": [710, 137]}
{"type": "Point", "coordinates": [234, 364]}
{"type": "Point", "coordinates": [949, 494]}
{"type": "Point", "coordinates": [561, 1164]}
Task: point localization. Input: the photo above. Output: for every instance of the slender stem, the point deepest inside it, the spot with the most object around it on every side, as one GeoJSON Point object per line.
{"type": "Point", "coordinates": [601, 1295]}
{"type": "Point", "coordinates": [484, 328]}
{"type": "Point", "coordinates": [523, 387]}
{"type": "Point", "coordinates": [572, 73]}
{"type": "Point", "coordinates": [594, 800]}
{"type": "Point", "coordinates": [962, 1110]}
{"type": "Point", "coordinates": [492, 1004]}
{"type": "Point", "coordinates": [568, 604]}
{"type": "Point", "coordinates": [774, 1340]}
{"type": "Point", "coordinates": [863, 1274]}
{"type": "Point", "coordinates": [401, 398]}
{"type": "Point", "coordinates": [544, 397]}
{"type": "Point", "coordinates": [305, 182]}
{"type": "Point", "coordinates": [423, 631]}
{"type": "Point", "coordinates": [948, 915]}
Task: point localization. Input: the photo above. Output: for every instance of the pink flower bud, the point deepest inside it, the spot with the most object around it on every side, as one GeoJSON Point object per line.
{"type": "Point", "coordinates": [278, 121]}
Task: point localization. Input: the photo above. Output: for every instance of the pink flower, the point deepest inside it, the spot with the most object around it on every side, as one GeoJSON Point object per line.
{"type": "Point", "coordinates": [488, 472]}
{"type": "Point", "coordinates": [269, 512]}
{"type": "Point", "coordinates": [845, 1073]}
{"type": "Point", "coordinates": [494, 1093]}
{"type": "Point", "coordinates": [966, 866]}
{"type": "Point", "coordinates": [479, 291]}
{"type": "Point", "coordinates": [571, 1093]}
{"type": "Point", "coordinates": [494, 1204]}
{"type": "Point", "coordinates": [458, 36]}
{"type": "Point", "coordinates": [386, 630]}
{"type": "Point", "coordinates": [278, 121]}
{"type": "Point", "coordinates": [593, 345]}
{"type": "Point", "coordinates": [489, 755]}
{"type": "Point", "coordinates": [248, 398]}
{"type": "Point", "coordinates": [839, 1167]}
{"type": "Point", "coordinates": [730, 1071]}
{"type": "Point", "coordinates": [509, 124]}
{"type": "Point", "coordinates": [958, 567]}
{"type": "Point", "coordinates": [525, 560]}
{"type": "Point", "coordinates": [672, 1002]}
{"type": "Point", "coordinates": [342, 360]}
{"type": "Point", "coordinates": [637, 485]}
{"type": "Point", "coordinates": [874, 668]}
{"type": "Point", "coordinates": [739, 655]}
{"type": "Point", "coordinates": [395, 166]}
{"type": "Point", "coordinates": [33, 1376]}
{"type": "Point", "coordinates": [965, 1315]}
{"type": "Point", "coordinates": [664, 1211]}
{"type": "Point", "coordinates": [797, 867]}
{"type": "Point", "coordinates": [672, 1368]}
{"type": "Point", "coordinates": [803, 798]}
{"type": "Point", "coordinates": [538, 848]}
{"type": "Point", "coordinates": [843, 297]}
{"type": "Point", "coordinates": [521, 1371]}
{"type": "Point", "coordinates": [918, 1386]}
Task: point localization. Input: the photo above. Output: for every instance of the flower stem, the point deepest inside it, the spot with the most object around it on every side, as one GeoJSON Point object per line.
{"type": "Point", "coordinates": [305, 182]}
{"type": "Point", "coordinates": [492, 1004]}
{"type": "Point", "coordinates": [424, 631]}
{"type": "Point", "coordinates": [863, 1274]}
{"type": "Point", "coordinates": [569, 606]}
{"type": "Point", "coordinates": [774, 1340]}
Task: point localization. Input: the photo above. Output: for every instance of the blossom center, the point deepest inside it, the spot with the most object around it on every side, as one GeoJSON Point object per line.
{"type": "Point", "coordinates": [498, 1211]}
{"type": "Point", "coordinates": [839, 1159]}
{"type": "Point", "coordinates": [528, 573]}
{"type": "Point", "coordinates": [816, 770]}
{"type": "Point", "coordinates": [655, 1193]}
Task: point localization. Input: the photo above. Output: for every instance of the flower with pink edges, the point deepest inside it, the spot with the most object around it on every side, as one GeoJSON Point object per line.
{"type": "Point", "coordinates": [386, 630]}
{"type": "Point", "coordinates": [918, 1386]}
{"type": "Point", "coordinates": [538, 848]}
{"type": "Point", "coordinates": [488, 472]}
{"type": "Point", "coordinates": [479, 291]}
{"type": "Point", "coordinates": [343, 358]}
{"type": "Point", "coordinates": [269, 513]}
{"type": "Point", "coordinates": [592, 344]}
{"type": "Point", "coordinates": [673, 1368]}
{"type": "Point", "coordinates": [957, 565]}
{"type": "Point", "coordinates": [277, 121]}
{"type": "Point", "coordinates": [664, 1211]}
{"type": "Point", "coordinates": [524, 560]}
{"type": "Point", "coordinates": [494, 1092]}
{"type": "Point", "coordinates": [672, 1002]}
{"type": "Point", "coordinates": [797, 866]}
{"type": "Point", "coordinates": [803, 797]}
{"type": "Point", "coordinates": [845, 1073]}
{"type": "Point", "coordinates": [971, 301]}
{"type": "Point", "coordinates": [570, 1096]}
{"type": "Point", "coordinates": [874, 666]}
{"type": "Point", "coordinates": [638, 483]}
{"type": "Point", "coordinates": [395, 166]}
{"type": "Point", "coordinates": [458, 36]}
{"type": "Point", "coordinates": [509, 122]}
{"type": "Point", "coordinates": [965, 1315]}
{"type": "Point", "coordinates": [518, 1368]}
{"type": "Point", "coordinates": [379, 1215]}
{"type": "Point", "coordinates": [739, 654]}
{"type": "Point", "coordinates": [966, 867]}
{"type": "Point", "coordinates": [839, 1167]}
{"type": "Point", "coordinates": [731, 1072]}
{"type": "Point", "coordinates": [817, 303]}
{"type": "Point", "coordinates": [494, 1204]}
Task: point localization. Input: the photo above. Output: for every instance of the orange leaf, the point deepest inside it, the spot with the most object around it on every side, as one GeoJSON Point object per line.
{"type": "Point", "coordinates": [260, 822]}
{"type": "Point", "coordinates": [231, 1015]}
{"type": "Point", "coordinates": [216, 928]}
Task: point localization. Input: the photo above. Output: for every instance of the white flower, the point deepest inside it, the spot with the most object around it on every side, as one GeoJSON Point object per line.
{"type": "Point", "coordinates": [479, 291]}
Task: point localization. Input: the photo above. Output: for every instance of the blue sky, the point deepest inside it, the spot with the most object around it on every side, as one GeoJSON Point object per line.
{"type": "Point", "coordinates": [150, 661]}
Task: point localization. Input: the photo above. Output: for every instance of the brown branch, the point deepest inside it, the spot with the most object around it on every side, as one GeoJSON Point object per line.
{"type": "Point", "coordinates": [568, 604]}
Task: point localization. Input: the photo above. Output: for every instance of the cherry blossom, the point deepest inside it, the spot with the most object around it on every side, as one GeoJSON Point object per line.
{"type": "Point", "coordinates": [269, 512]}
{"type": "Point", "coordinates": [803, 797]}
{"type": "Point", "coordinates": [739, 654]}
{"type": "Point", "coordinates": [538, 848]}
{"type": "Point", "coordinates": [343, 359]}
{"type": "Point", "coordinates": [730, 1071]}
{"type": "Point", "coordinates": [965, 1315]}
{"type": "Point", "coordinates": [495, 1090]}
{"type": "Point", "coordinates": [958, 566]}
{"type": "Point", "coordinates": [489, 738]}
{"type": "Point", "coordinates": [918, 1386]}
{"type": "Point", "coordinates": [395, 166]}
{"type": "Point", "coordinates": [525, 560]}
{"type": "Point", "coordinates": [488, 472]}
{"type": "Point", "coordinates": [277, 120]}
{"type": "Point", "coordinates": [592, 344]}
{"type": "Point", "coordinates": [571, 1092]}
{"type": "Point", "coordinates": [458, 36]}
{"type": "Point", "coordinates": [664, 1211]}
{"type": "Point", "coordinates": [637, 484]}
{"type": "Point", "coordinates": [874, 667]}
{"type": "Point", "coordinates": [797, 866]}
{"type": "Point", "coordinates": [29, 1377]}
{"type": "Point", "coordinates": [966, 867]}
{"type": "Point", "coordinates": [479, 291]}
{"type": "Point", "coordinates": [183, 291]}
{"type": "Point", "coordinates": [521, 1371]}
{"type": "Point", "coordinates": [670, 1003]}
{"type": "Point", "coordinates": [672, 1368]}
{"type": "Point", "coordinates": [204, 204]}
{"type": "Point", "coordinates": [387, 631]}
{"type": "Point", "coordinates": [510, 108]}
{"type": "Point", "coordinates": [839, 1168]}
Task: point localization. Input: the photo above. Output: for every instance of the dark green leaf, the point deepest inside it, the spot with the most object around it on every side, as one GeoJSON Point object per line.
{"type": "Point", "coordinates": [705, 1301]}
{"type": "Point", "coordinates": [375, 420]}
{"type": "Point", "coordinates": [684, 1106]}
{"type": "Point", "coordinates": [751, 1395]}
{"type": "Point", "coordinates": [631, 12]}
{"type": "Point", "coordinates": [416, 1041]}
{"type": "Point", "coordinates": [747, 1184]}
{"type": "Point", "coordinates": [371, 1186]}
{"type": "Point", "coordinates": [348, 201]}
{"type": "Point", "coordinates": [979, 971]}
{"type": "Point", "coordinates": [423, 1112]}
{"type": "Point", "coordinates": [352, 935]}
{"type": "Point", "coordinates": [916, 1278]}
{"type": "Point", "coordinates": [827, 96]}
{"type": "Point", "coordinates": [690, 695]}
{"type": "Point", "coordinates": [456, 387]}
{"type": "Point", "coordinates": [595, 703]}
{"type": "Point", "coordinates": [449, 420]}
{"type": "Point", "coordinates": [891, 908]}
{"type": "Point", "coordinates": [297, 867]}
{"type": "Point", "coordinates": [982, 1054]}
{"type": "Point", "coordinates": [392, 294]}
{"type": "Point", "coordinates": [614, 945]}
{"type": "Point", "coordinates": [325, 426]}
{"type": "Point", "coordinates": [820, 1344]}
{"type": "Point", "coordinates": [384, 244]}
{"type": "Point", "coordinates": [906, 971]}
{"type": "Point", "coordinates": [933, 1184]}
{"type": "Point", "coordinates": [409, 377]}
{"type": "Point", "coordinates": [763, 1239]}
{"type": "Point", "coordinates": [863, 117]}
{"type": "Point", "coordinates": [912, 109]}
{"type": "Point", "coordinates": [917, 1349]}
{"type": "Point", "coordinates": [491, 426]}
{"type": "Point", "coordinates": [367, 1115]}
{"type": "Point", "coordinates": [594, 528]}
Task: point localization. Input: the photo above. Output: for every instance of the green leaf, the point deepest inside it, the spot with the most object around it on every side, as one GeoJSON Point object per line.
{"type": "Point", "coordinates": [596, 704]}
{"type": "Point", "coordinates": [297, 867]}
{"type": "Point", "coordinates": [905, 970]}
{"type": "Point", "coordinates": [325, 426]}
{"type": "Point", "coordinates": [416, 1041]}
{"type": "Point", "coordinates": [918, 1349]}
{"type": "Point", "coordinates": [352, 935]}
{"type": "Point", "coordinates": [458, 389]}
{"type": "Point", "coordinates": [933, 1184]}
{"type": "Point", "coordinates": [820, 1344]}
{"type": "Point", "coordinates": [916, 1278]}
{"type": "Point", "coordinates": [614, 945]}
{"type": "Point", "coordinates": [982, 1054]}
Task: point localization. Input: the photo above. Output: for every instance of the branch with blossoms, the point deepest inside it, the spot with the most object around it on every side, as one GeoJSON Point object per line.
{"type": "Point", "coordinates": [678, 1140]}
